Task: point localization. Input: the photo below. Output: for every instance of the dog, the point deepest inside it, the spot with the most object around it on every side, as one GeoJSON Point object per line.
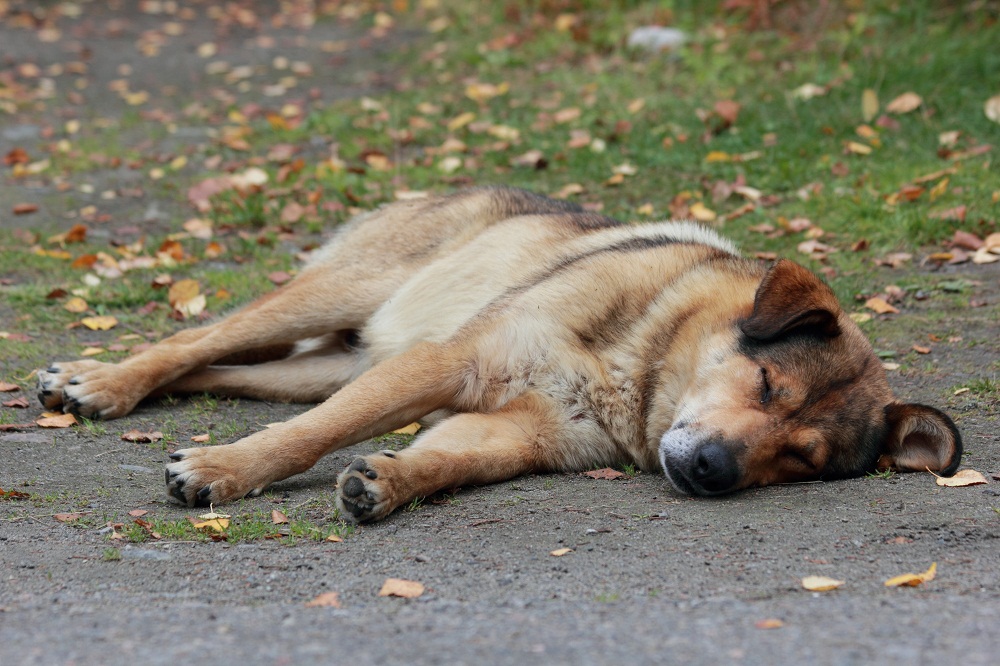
{"type": "Point", "coordinates": [538, 337]}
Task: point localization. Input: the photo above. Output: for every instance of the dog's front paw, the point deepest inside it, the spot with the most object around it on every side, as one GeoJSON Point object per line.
{"type": "Point", "coordinates": [364, 491]}
{"type": "Point", "coordinates": [56, 377]}
{"type": "Point", "coordinates": [200, 477]}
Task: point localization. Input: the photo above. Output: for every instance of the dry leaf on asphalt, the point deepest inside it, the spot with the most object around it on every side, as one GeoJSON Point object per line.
{"type": "Point", "coordinates": [966, 477]}
{"type": "Point", "coordinates": [559, 552]}
{"type": "Point", "coordinates": [201, 439]}
{"type": "Point", "coordinates": [912, 580]}
{"type": "Point", "coordinates": [6, 387]}
{"type": "Point", "coordinates": [325, 600]}
{"type": "Point", "coordinates": [605, 473]}
{"type": "Point", "coordinates": [398, 587]}
{"type": "Point", "coordinates": [57, 421]}
{"type": "Point", "coordinates": [278, 518]}
{"type": "Point", "coordinates": [68, 517]}
{"type": "Point", "coordinates": [142, 437]}
{"type": "Point", "coordinates": [821, 583]}
{"type": "Point", "coordinates": [769, 623]}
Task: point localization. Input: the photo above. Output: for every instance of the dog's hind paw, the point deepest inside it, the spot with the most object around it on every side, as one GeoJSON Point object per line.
{"type": "Point", "coordinates": [363, 493]}
{"type": "Point", "coordinates": [197, 477]}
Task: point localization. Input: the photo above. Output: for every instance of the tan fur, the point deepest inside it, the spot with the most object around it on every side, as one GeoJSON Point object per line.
{"type": "Point", "coordinates": [547, 339]}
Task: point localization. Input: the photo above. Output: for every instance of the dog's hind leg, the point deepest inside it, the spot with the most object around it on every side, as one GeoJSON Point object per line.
{"type": "Point", "coordinates": [466, 449]}
{"type": "Point", "coordinates": [313, 305]}
{"type": "Point", "coordinates": [394, 393]}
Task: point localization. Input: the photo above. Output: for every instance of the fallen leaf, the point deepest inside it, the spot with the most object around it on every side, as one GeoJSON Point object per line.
{"type": "Point", "coordinates": [58, 421]}
{"type": "Point", "coordinates": [398, 587]}
{"type": "Point", "coordinates": [559, 552]}
{"type": "Point", "coordinates": [605, 473]}
{"type": "Point", "coordinates": [334, 538]}
{"type": "Point", "coordinates": [569, 190]}
{"type": "Point", "coordinates": [858, 148]}
{"type": "Point", "coordinates": [278, 518]}
{"type": "Point", "coordinates": [821, 583]}
{"type": "Point", "coordinates": [6, 387]}
{"type": "Point", "coordinates": [76, 305]}
{"type": "Point", "coordinates": [201, 439]}
{"type": "Point", "coordinates": [860, 317]}
{"type": "Point", "coordinates": [18, 403]}
{"type": "Point", "coordinates": [966, 477]}
{"type": "Point", "coordinates": [212, 515]}
{"type": "Point", "coordinates": [411, 429]}
{"type": "Point", "coordinates": [13, 494]}
{"type": "Point", "coordinates": [905, 103]}
{"type": "Point", "coordinates": [869, 104]}
{"type": "Point", "coordinates": [68, 517]}
{"type": "Point", "coordinates": [984, 256]}
{"type": "Point", "coordinates": [216, 524]}
{"type": "Point", "coordinates": [279, 277]}
{"type": "Point", "coordinates": [912, 580]}
{"type": "Point", "coordinates": [102, 323]}
{"type": "Point", "coordinates": [992, 108]}
{"type": "Point", "coordinates": [24, 208]}
{"type": "Point", "coordinates": [880, 305]}
{"type": "Point", "coordinates": [325, 600]}
{"type": "Point", "coordinates": [184, 297]}
{"type": "Point", "coordinates": [702, 213]}
{"type": "Point", "coordinates": [92, 351]}
{"type": "Point", "coordinates": [142, 437]}
{"type": "Point", "coordinates": [769, 623]}
{"type": "Point", "coordinates": [956, 213]}
{"type": "Point", "coordinates": [921, 350]}
{"type": "Point", "coordinates": [138, 513]}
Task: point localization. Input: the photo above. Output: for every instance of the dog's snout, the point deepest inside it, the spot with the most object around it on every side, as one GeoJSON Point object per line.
{"type": "Point", "coordinates": [714, 469]}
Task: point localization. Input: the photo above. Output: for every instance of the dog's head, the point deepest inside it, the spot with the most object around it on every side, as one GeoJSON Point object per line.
{"type": "Point", "coordinates": [794, 392]}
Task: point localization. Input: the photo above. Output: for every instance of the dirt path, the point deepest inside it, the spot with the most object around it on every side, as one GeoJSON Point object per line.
{"type": "Point", "coordinates": [652, 577]}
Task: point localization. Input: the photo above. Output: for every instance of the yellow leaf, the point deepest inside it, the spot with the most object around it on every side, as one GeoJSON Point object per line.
{"type": "Point", "coordinates": [325, 600]}
{"type": "Point", "coordinates": [57, 421]}
{"type": "Point", "coordinates": [718, 156]}
{"type": "Point", "coordinates": [102, 323]}
{"type": "Point", "coordinates": [76, 305]}
{"type": "Point", "coordinates": [201, 439]}
{"type": "Point", "coordinates": [939, 189]}
{"type": "Point", "coordinates": [93, 351]}
{"type": "Point", "coordinates": [460, 121]}
{"type": "Point", "coordinates": [869, 104]}
{"type": "Point", "coordinates": [701, 212]}
{"type": "Point", "coordinates": [398, 587]}
{"type": "Point", "coordinates": [636, 105]}
{"type": "Point", "coordinates": [769, 623]}
{"type": "Point", "coordinates": [821, 583]}
{"type": "Point", "coordinates": [559, 552]}
{"type": "Point", "coordinates": [880, 305]}
{"type": "Point", "coordinates": [860, 317]}
{"type": "Point", "coordinates": [967, 477]}
{"type": "Point", "coordinates": [912, 580]}
{"type": "Point", "coordinates": [858, 148]}
{"type": "Point", "coordinates": [408, 430]}
{"type": "Point", "coordinates": [215, 524]}
{"type": "Point", "coordinates": [334, 538]}
{"type": "Point", "coordinates": [569, 190]}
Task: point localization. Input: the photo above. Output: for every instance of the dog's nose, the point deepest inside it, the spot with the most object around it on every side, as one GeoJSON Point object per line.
{"type": "Point", "coordinates": [714, 469]}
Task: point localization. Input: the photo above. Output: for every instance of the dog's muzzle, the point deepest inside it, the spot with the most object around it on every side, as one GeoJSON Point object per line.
{"type": "Point", "coordinates": [698, 465]}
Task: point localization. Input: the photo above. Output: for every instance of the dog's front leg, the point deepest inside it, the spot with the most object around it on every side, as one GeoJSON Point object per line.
{"type": "Point", "coordinates": [466, 449]}
{"type": "Point", "coordinates": [394, 393]}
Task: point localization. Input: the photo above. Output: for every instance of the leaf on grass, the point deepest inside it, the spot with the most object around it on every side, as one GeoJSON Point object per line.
{"type": "Point", "coordinates": [279, 277]}
{"type": "Point", "coordinates": [967, 477]}
{"type": "Point", "coordinates": [6, 387]}
{"type": "Point", "coordinates": [218, 525]}
{"type": "Point", "coordinates": [821, 583]}
{"type": "Point", "coordinates": [398, 587]}
{"type": "Point", "coordinates": [325, 600]}
{"type": "Point", "coordinates": [13, 495]}
{"type": "Point", "coordinates": [57, 421]}
{"type": "Point", "coordinates": [142, 437]}
{"type": "Point", "coordinates": [605, 473]}
{"type": "Point", "coordinates": [905, 103]}
{"type": "Point", "coordinates": [559, 552]}
{"type": "Point", "coordinates": [184, 297]}
{"type": "Point", "coordinates": [992, 108]}
{"type": "Point", "coordinates": [912, 580]}
{"type": "Point", "coordinates": [101, 323]}
{"type": "Point", "coordinates": [880, 305]}
{"type": "Point", "coordinates": [869, 104]}
{"type": "Point", "coordinates": [278, 518]}
{"type": "Point", "coordinates": [411, 429]}
{"type": "Point", "coordinates": [76, 305]}
{"type": "Point", "coordinates": [212, 514]}
{"type": "Point", "coordinates": [702, 213]}
{"type": "Point", "coordinates": [569, 190]}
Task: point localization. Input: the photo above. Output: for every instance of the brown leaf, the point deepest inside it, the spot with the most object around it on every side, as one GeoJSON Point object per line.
{"type": "Point", "coordinates": [142, 437]}
{"type": "Point", "coordinates": [325, 600]}
{"type": "Point", "coordinates": [77, 234]}
{"type": "Point", "coordinates": [769, 623]}
{"type": "Point", "coordinates": [11, 427]}
{"type": "Point", "coordinates": [279, 277]}
{"type": "Point", "coordinates": [68, 517]}
{"type": "Point", "coordinates": [57, 421]}
{"type": "Point", "coordinates": [18, 403]}
{"type": "Point", "coordinates": [398, 587]}
{"type": "Point", "coordinates": [605, 473]}
{"type": "Point", "coordinates": [728, 110]}
{"type": "Point", "coordinates": [201, 439]}
{"type": "Point", "coordinates": [6, 387]}
{"type": "Point", "coordinates": [137, 513]}
{"type": "Point", "coordinates": [966, 477]}
{"type": "Point", "coordinates": [956, 213]}
{"type": "Point", "coordinates": [967, 240]}
{"type": "Point", "coordinates": [24, 208]}
{"type": "Point", "coordinates": [905, 103]}
{"type": "Point", "coordinates": [278, 518]}
{"type": "Point", "coordinates": [921, 350]}
{"type": "Point", "coordinates": [13, 494]}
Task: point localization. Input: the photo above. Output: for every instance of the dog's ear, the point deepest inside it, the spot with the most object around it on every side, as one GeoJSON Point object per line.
{"type": "Point", "coordinates": [920, 438]}
{"type": "Point", "coordinates": [791, 299]}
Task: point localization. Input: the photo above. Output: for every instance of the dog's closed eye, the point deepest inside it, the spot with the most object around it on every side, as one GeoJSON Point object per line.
{"type": "Point", "coordinates": [765, 388]}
